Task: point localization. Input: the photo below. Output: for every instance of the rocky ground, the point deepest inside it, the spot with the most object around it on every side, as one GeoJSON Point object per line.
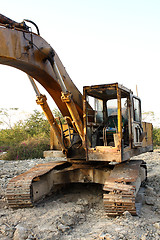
{"type": "Point", "coordinates": [77, 212]}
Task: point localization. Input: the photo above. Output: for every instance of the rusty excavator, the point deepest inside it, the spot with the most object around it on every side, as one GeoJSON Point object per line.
{"type": "Point", "coordinates": [103, 128]}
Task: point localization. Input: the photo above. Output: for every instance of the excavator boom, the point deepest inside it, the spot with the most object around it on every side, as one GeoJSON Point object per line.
{"type": "Point", "coordinates": [30, 53]}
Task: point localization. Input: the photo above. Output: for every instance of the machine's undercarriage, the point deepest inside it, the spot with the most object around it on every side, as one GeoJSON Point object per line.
{"type": "Point", "coordinates": [121, 183]}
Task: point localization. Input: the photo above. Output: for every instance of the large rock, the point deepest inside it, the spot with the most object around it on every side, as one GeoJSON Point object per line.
{"type": "Point", "coordinates": [21, 233]}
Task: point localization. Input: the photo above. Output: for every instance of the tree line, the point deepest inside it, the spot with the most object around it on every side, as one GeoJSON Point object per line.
{"type": "Point", "coordinates": [29, 138]}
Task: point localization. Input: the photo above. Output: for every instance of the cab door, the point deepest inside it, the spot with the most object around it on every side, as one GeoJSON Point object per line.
{"type": "Point", "coordinates": [136, 122]}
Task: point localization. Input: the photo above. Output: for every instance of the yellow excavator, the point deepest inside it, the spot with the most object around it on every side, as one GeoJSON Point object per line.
{"type": "Point", "coordinates": [103, 128]}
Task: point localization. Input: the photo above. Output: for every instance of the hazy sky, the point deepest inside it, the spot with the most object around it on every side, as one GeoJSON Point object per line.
{"type": "Point", "coordinates": [98, 41]}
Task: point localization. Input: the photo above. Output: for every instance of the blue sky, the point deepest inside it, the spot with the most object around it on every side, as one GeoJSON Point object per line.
{"type": "Point", "coordinates": [98, 41]}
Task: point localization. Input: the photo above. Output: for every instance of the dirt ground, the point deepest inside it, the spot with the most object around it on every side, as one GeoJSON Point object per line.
{"type": "Point", "coordinates": [77, 211]}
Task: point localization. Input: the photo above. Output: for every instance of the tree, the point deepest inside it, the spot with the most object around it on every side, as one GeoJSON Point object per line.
{"type": "Point", "coordinates": [28, 138]}
{"type": "Point", "coordinates": [37, 124]}
{"type": "Point", "coordinates": [156, 137]}
{"type": "Point", "coordinates": [150, 116]}
{"type": "Point", "coordinates": [6, 116]}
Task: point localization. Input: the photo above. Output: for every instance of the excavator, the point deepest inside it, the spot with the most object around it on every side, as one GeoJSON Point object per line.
{"type": "Point", "coordinates": [101, 132]}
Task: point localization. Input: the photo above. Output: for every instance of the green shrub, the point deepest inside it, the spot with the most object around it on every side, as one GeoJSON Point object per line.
{"type": "Point", "coordinates": [35, 129]}
{"type": "Point", "coordinates": [11, 137]}
{"type": "Point", "coordinates": [31, 148]}
{"type": "Point", "coordinates": [156, 137]}
{"type": "Point", "coordinates": [37, 124]}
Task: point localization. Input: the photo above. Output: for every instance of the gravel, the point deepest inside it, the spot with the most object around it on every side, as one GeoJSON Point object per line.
{"type": "Point", "coordinates": [76, 212]}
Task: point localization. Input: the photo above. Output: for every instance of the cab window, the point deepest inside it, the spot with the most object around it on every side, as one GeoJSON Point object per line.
{"type": "Point", "coordinates": [137, 110]}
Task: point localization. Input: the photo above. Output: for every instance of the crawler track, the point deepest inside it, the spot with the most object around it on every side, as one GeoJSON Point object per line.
{"type": "Point", "coordinates": [122, 187]}
{"type": "Point", "coordinates": [120, 198]}
{"type": "Point", "coordinates": [19, 189]}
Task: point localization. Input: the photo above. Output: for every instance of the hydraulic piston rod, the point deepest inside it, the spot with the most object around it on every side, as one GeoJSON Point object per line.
{"type": "Point", "coordinates": [67, 98]}
{"type": "Point", "coordinates": [42, 101]}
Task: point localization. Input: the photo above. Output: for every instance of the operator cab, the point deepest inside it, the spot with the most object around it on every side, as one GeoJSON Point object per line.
{"type": "Point", "coordinates": [112, 118]}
